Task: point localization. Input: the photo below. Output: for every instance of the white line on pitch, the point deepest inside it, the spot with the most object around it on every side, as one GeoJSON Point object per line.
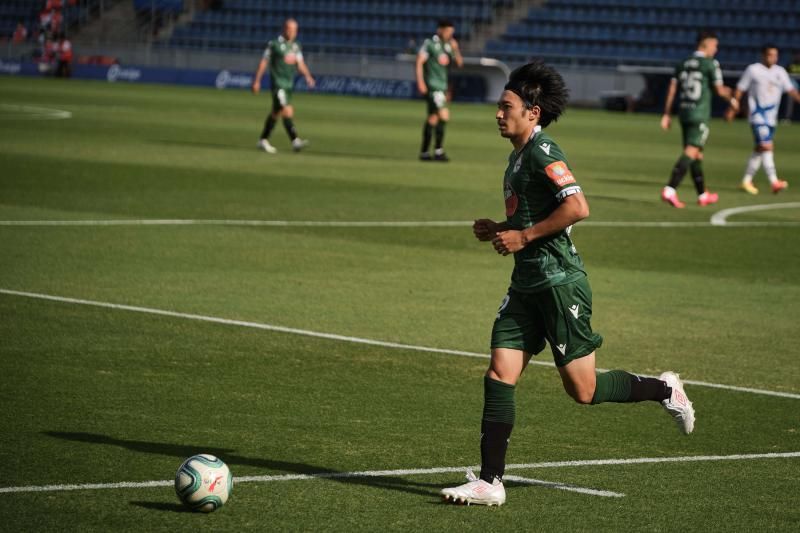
{"type": "Point", "coordinates": [563, 486]}
{"type": "Point", "coordinates": [375, 223]}
{"type": "Point", "coordinates": [332, 336]}
{"type": "Point", "coordinates": [410, 472]}
{"type": "Point", "coordinates": [28, 112]}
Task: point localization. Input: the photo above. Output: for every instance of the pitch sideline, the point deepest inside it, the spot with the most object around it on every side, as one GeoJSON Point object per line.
{"type": "Point", "coordinates": [332, 336]}
{"type": "Point", "coordinates": [416, 471]}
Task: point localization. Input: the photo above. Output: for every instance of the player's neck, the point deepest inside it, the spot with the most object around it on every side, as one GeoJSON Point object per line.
{"type": "Point", "coordinates": [521, 140]}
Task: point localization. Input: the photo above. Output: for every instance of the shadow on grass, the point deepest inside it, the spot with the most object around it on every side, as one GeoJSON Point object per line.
{"type": "Point", "coordinates": [162, 506]}
{"type": "Point", "coordinates": [228, 455]}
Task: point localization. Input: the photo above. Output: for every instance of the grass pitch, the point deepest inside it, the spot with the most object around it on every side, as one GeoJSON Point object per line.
{"type": "Point", "coordinates": [94, 395]}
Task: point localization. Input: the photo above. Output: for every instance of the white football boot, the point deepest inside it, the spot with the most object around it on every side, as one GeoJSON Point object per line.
{"type": "Point", "coordinates": [678, 405]}
{"type": "Point", "coordinates": [264, 145]}
{"type": "Point", "coordinates": [298, 144]}
{"type": "Point", "coordinates": [476, 491]}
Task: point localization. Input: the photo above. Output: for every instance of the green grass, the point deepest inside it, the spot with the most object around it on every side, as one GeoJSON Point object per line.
{"type": "Point", "coordinates": [94, 395]}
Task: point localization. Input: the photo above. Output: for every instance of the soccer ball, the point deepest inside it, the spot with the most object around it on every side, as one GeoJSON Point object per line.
{"type": "Point", "coordinates": [203, 483]}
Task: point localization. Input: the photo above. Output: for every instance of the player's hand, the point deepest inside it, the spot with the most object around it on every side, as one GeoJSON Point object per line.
{"type": "Point", "coordinates": [484, 229]}
{"type": "Point", "coordinates": [422, 88]}
{"type": "Point", "coordinates": [256, 87]}
{"type": "Point", "coordinates": [508, 242]}
{"type": "Point", "coordinates": [454, 44]}
{"type": "Point", "coordinates": [311, 82]}
{"type": "Point", "coordinates": [734, 105]}
{"type": "Point", "coordinates": [666, 121]}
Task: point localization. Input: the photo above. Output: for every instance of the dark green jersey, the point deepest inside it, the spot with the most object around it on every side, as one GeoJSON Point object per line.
{"type": "Point", "coordinates": [536, 181]}
{"type": "Point", "coordinates": [283, 57]}
{"type": "Point", "coordinates": [438, 56]}
{"type": "Point", "coordinates": [697, 76]}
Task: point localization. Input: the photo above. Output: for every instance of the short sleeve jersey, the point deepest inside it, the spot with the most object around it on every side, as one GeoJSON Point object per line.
{"type": "Point", "coordinates": [697, 76]}
{"type": "Point", "coordinates": [764, 87]}
{"type": "Point", "coordinates": [438, 56]}
{"type": "Point", "coordinates": [283, 57]}
{"type": "Point", "coordinates": [536, 181]}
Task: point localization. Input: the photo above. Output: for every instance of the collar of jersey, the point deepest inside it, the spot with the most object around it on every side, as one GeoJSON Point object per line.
{"type": "Point", "coordinates": [698, 53]}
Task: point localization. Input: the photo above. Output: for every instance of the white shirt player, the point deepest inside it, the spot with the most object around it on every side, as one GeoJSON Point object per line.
{"type": "Point", "coordinates": [764, 87]}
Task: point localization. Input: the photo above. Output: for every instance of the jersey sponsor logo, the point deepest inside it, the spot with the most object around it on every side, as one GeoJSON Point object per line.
{"type": "Point", "coordinates": [443, 59]}
{"type": "Point", "coordinates": [545, 148]}
{"type": "Point", "coordinates": [574, 309]}
{"type": "Point", "coordinates": [290, 58]}
{"type": "Point", "coordinates": [512, 201]}
{"type": "Point", "coordinates": [559, 173]}
{"type": "Point", "coordinates": [562, 348]}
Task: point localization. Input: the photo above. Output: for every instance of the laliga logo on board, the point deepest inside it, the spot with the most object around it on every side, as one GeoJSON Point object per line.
{"type": "Point", "coordinates": [117, 73]}
{"type": "Point", "coordinates": [225, 79]}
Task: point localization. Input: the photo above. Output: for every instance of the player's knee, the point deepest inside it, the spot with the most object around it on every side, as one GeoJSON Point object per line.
{"type": "Point", "coordinates": [444, 115]}
{"type": "Point", "coordinates": [583, 397]}
{"type": "Point", "coordinates": [288, 112]}
{"type": "Point", "coordinates": [433, 120]}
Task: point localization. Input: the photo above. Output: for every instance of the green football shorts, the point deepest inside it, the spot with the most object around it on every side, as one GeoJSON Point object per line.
{"type": "Point", "coordinates": [694, 133]}
{"type": "Point", "coordinates": [436, 100]}
{"type": "Point", "coordinates": [559, 315]}
{"type": "Point", "coordinates": [281, 98]}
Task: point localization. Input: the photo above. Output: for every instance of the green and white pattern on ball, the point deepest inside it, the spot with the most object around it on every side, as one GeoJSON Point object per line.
{"type": "Point", "coordinates": [203, 483]}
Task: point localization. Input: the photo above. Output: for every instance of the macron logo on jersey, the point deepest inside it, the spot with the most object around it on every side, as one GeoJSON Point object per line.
{"type": "Point", "coordinates": [574, 309]}
{"type": "Point", "coordinates": [562, 348]}
{"type": "Point", "coordinates": [545, 148]}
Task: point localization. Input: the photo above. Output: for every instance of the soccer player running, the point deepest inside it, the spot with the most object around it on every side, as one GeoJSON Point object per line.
{"type": "Point", "coordinates": [549, 299]}
{"type": "Point", "coordinates": [764, 82]}
{"type": "Point", "coordinates": [434, 57]}
{"type": "Point", "coordinates": [697, 76]}
{"type": "Point", "coordinates": [283, 57]}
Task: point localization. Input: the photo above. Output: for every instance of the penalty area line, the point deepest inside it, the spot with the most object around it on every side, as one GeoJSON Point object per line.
{"type": "Point", "coordinates": [424, 471]}
{"type": "Point", "coordinates": [335, 337]}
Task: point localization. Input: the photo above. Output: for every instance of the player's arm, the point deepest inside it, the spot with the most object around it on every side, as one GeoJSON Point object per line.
{"type": "Point", "coordinates": [795, 94]}
{"type": "Point", "coordinates": [303, 68]}
{"type": "Point", "coordinates": [262, 68]}
{"type": "Point", "coordinates": [671, 91]}
{"type": "Point", "coordinates": [421, 86]}
{"type": "Point", "coordinates": [731, 112]}
{"type": "Point", "coordinates": [572, 209]}
{"type": "Point", "coordinates": [457, 53]}
{"type": "Point", "coordinates": [726, 93]}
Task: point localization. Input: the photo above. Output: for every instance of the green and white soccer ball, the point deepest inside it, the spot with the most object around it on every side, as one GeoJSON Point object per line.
{"type": "Point", "coordinates": [203, 483]}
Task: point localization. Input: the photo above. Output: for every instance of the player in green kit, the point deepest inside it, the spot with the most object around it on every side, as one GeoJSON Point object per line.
{"type": "Point", "coordinates": [283, 57]}
{"type": "Point", "coordinates": [433, 61]}
{"type": "Point", "coordinates": [697, 77]}
{"type": "Point", "coordinates": [549, 300]}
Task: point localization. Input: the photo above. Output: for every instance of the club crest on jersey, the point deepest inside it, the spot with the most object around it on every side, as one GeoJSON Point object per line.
{"type": "Point", "coordinates": [559, 173]}
{"type": "Point", "coordinates": [517, 165]}
{"type": "Point", "coordinates": [443, 59]}
{"type": "Point", "coordinates": [512, 201]}
{"type": "Point", "coordinates": [290, 58]}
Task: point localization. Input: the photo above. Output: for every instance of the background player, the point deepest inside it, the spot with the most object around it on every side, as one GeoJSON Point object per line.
{"type": "Point", "coordinates": [549, 298]}
{"type": "Point", "coordinates": [433, 60]}
{"type": "Point", "coordinates": [698, 75]}
{"type": "Point", "coordinates": [764, 82]}
{"type": "Point", "coordinates": [284, 57]}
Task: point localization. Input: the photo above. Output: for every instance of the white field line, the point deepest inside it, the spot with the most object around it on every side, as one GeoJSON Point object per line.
{"type": "Point", "coordinates": [408, 472]}
{"type": "Point", "coordinates": [29, 112]}
{"type": "Point", "coordinates": [718, 219]}
{"type": "Point", "coordinates": [563, 486]}
{"type": "Point", "coordinates": [335, 337]}
{"type": "Point", "coordinates": [368, 224]}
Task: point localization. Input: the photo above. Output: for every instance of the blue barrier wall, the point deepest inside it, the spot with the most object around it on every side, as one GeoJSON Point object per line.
{"type": "Point", "coordinates": [221, 79]}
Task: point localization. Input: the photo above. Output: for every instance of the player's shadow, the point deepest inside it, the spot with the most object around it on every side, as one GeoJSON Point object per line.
{"type": "Point", "coordinates": [162, 506]}
{"type": "Point", "coordinates": [204, 144]}
{"type": "Point", "coordinates": [182, 451]}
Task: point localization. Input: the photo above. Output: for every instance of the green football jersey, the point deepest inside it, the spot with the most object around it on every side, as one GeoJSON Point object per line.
{"type": "Point", "coordinates": [438, 56]}
{"type": "Point", "coordinates": [283, 57]}
{"type": "Point", "coordinates": [696, 78]}
{"type": "Point", "coordinates": [536, 181]}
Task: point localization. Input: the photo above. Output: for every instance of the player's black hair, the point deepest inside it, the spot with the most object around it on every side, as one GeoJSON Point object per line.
{"type": "Point", "coordinates": [540, 85]}
{"type": "Point", "coordinates": [767, 47]}
{"type": "Point", "coordinates": [702, 35]}
{"type": "Point", "coordinates": [445, 23]}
